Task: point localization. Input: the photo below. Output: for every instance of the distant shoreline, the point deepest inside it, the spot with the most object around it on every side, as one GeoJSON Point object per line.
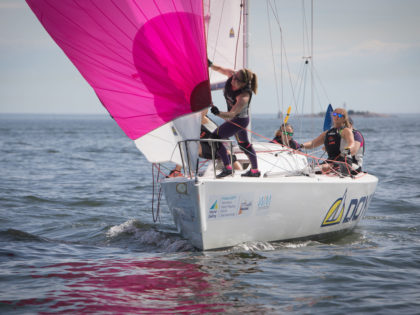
{"type": "Point", "coordinates": [353, 113]}
{"type": "Point", "coordinates": [356, 114]}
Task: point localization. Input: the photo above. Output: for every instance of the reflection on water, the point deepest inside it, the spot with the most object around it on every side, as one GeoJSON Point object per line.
{"type": "Point", "coordinates": [117, 286]}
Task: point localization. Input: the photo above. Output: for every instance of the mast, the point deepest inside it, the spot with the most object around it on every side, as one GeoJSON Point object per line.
{"type": "Point", "coordinates": [245, 29]}
{"type": "Point", "coordinates": [312, 57]}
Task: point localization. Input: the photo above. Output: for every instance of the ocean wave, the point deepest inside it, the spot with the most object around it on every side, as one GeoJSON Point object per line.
{"type": "Point", "coordinates": [17, 235]}
{"type": "Point", "coordinates": [87, 202]}
{"type": "Point", "coordinates": [33, 198]}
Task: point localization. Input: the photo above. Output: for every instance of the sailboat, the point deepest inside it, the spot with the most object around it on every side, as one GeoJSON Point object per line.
{"type": "Point", "coordinates": [147, 62]}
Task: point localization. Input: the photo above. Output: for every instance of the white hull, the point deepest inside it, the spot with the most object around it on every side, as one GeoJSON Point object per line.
{"type": "Point", "coordinates": [215, 213]}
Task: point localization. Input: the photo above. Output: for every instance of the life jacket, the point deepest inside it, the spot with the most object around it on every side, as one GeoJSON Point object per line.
{"type": "Point", "coordinates": [292, 143]}
{"type": "Point", "coordinates": [332, 143]}
{"type": "Point", "coordinates": [204, 133]}
{"type": "Point", "coordinates": [277, 139]}
{"type": "Point", "coordinates": [230, 96]}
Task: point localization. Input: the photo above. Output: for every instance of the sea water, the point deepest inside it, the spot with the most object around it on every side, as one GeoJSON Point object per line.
{"type": "Point", "coordinates": [77, 233]}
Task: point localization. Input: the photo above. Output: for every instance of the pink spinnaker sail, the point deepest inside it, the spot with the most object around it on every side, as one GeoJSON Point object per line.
{"type": "Point", "coordinates": [145, 59]}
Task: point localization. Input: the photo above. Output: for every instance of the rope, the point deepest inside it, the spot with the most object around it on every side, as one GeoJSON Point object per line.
{"type": "Point", "coordinates": [280, 107]}
{"type": "Point", "coordinates": [157, 217]}
{"type": "Point", "coordinates": [239, 30]}
{"type": "Point", "coordinates": [317, 159]}
{"type": "Point", "coordinates": [285, 55]}
{"type": "Point", "coordinates": [218, 31]}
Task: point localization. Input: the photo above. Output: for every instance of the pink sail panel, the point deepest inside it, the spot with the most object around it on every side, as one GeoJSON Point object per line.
{"type": "Point", "coordinates": [145, 59]}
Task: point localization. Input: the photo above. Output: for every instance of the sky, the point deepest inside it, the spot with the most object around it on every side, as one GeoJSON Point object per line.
{"type": "Point", "coordinates": [366, 55]}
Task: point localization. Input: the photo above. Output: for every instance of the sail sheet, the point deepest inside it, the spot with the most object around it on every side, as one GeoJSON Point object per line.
{"type": "Point", "coordinates": [145, 59]}
{"type": "Point", "coordinates": [226, 36]}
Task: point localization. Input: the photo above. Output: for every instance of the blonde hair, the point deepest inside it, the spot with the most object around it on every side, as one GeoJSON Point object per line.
{"type": "Point", "coordinates": [346, 117]}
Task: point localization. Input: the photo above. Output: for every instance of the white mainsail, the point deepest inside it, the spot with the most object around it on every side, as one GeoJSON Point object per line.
{"type": "Point", "coordinates": [226, 36]}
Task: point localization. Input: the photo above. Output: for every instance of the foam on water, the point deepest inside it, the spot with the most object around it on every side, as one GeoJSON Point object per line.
{"type": "Point", "coordinates": [126, 227]}
{"type": "Point", "coordinates": [254, 246]}
{"type": "Point", "coordinates": [144, 235]}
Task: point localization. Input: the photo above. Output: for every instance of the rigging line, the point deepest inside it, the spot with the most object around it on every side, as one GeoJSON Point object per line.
{"type": "Point", "coordinates": [299, 83]}
{"type": "Point", "coordinates": [238, 33]}
{"type": "Point", "coordinates": [268, 162]}
{"type": "Point", "coordinates": [300, 79]}
{"type": "Point", "coordinates": [287, 62]}
{"type": "Point", "coordinates": [273, 60]}
{"type": "Point", "coordinates": [307, 48]}
{"type": "Point", "coordinates": [218, 32]}
{"type": "Point", "coordinates": [304, 87]}
{"type": "Point", "coordinates": [281, 59]}
{"type": "Point", "coordinates": [218, 29]}
{"type": "Point", "coordinates": [322, 85]}
{"type": "Point", "coordinates": [305, 33]}
{"type": "Point", "coordinates": [284, 148]}
{"type": "Point", "coordinates": [153, 194]}
{"type": "Point", "coordinates": [261, 136]}
{"type": "Point", "coordinates": [202, 52]}
{"type": "Point", "coordinates": [321, 106]}
{"type": "Point", "coordinates": [318, 159]}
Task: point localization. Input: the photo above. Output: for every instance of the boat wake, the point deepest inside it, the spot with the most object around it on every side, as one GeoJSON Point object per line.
{"type": "Point", "coordinates": [254, 246]}
{"type": "Point", "coordinates": [147, 236]}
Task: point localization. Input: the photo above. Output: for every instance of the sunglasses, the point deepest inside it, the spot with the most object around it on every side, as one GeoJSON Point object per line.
{"type": "Point", "coordinates": [287, 133]}
{"type": "Point", "coordinates": [339, 115]}
{"type": "Point", "coordinates": [235, 77]}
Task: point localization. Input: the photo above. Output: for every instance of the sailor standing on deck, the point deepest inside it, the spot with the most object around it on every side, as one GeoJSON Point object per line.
{"type": "Point", "coordinates": [238, 93]}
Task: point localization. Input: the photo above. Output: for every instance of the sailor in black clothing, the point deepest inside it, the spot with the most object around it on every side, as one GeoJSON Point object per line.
{"type": "Point", "coordinates": [284, 136]}
{"type": "Point", "coordinates": [338, 141]}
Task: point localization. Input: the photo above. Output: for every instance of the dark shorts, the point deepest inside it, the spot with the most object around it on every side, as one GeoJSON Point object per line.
{"type": "Point", "coordinates": [206, 150]}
